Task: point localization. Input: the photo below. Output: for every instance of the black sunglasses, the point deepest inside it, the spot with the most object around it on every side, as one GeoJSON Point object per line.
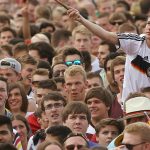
{"type": "Point", "coordinates": [131, 146]}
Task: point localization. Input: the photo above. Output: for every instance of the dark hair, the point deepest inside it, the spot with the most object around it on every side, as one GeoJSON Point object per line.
{"type": "Point", "coordinates": [44, 64]}
{"type": "Point", "coordinates": [27, 59]}
{"type": "Point", "coordinates": [4, 80]}
{"type": "Point", "coordinates": [59, 35]}
{"type": "Point", "coordinates": [24, 105]}
{"type": "Point", "coordinates": [101, 93]}
{"type": "Point", "coordinates": [76, 107]}
{"type": "Point", "coordinates": [44, 49]}
{"type": "Point", "coordinates": [7, 48]}
{"type": "Point", "coordinates": [145, 6]}
{"type": "Point", "coordinates": [87, 60]}
{"type": "Point", "coordinates": [23, 119]}
{"type": "Point", "coordinates": [59, 131]}
{"type": "Point", "coordinates": [109, 121]}
{"type": "Point", "coordinates": [7, 146]}
{"type": "Point", "coordinates": [71, 51]}
{"type": "Point", "coordinates": [4, 29]}
{"type": "Point", "coordinates": [4, 18]}
{"type": "Point", "coordinates": [55, 96]}
{"type": "Point", "coordinates": [48, 84]}
{"type": "Point", "coordinates": [47, 24]}
{"type": "Point", "coordinates": [110, 56]}
{"type": "Point", "coordinates": [91, 75]}
{"type": "Point", "coordinates": [19, 48]}
{"type": "Point", "coordinates": [4, 120]}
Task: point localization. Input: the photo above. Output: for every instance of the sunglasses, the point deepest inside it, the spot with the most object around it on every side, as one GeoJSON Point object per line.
{"type": "Point", "coordinates": [116, 22]}
{"type": "Point", "coordinates": [131, 146]}
{"type": "Point", "coordinates": [35, 83]}
{"type": "Point", "coordinates": [75, 62]}
{"type": "Point", "coordinates": [72, 147]}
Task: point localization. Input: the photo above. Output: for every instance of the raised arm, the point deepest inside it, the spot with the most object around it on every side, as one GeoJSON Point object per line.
{"type": "Point", "coordinates": [94, 28]}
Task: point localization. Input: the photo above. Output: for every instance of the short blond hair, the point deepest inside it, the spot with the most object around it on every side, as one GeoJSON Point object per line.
{"type": "Point", "coordinates": [82, 30]}
{"type": "Point", "coordinates": [139, 128]}
{"type": "Point", "coordinates": [74, 70]}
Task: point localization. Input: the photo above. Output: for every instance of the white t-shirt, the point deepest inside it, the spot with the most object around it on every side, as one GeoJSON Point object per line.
{"type": "Point", "coordinates": [134, 45]}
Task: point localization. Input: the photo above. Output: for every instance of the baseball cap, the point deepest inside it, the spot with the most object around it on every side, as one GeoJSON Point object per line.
{"type": "Point", "coordinates": [10, 63]}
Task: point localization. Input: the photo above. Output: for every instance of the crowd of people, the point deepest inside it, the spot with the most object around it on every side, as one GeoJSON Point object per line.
{"type": "Point", "coordinates": [75, 74]}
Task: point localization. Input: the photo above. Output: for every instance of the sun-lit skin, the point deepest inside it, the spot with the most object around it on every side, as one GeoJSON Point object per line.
{"type": "Point", "coordinates": [10, 75]}
{"type": "Point", "coordinates": [22, 131]}
{"type": "Point", "coordinates": [54, 114]}
{"type": "Point", "coordinates": [98, 109]}
{"type": "Point", "coordinates": [78, 123]}
{"type": "Point", "coordinates": [107, 134]}
{"type": "Point", "coordinates": [5, 37]}
{"type": "Point", "coordinates": [82, 42]}
{"type": "Point", "coordinates": [75, 87]}
{"type": "Point", "coordinates": [6, 135]}
{"type": "Point", "coordinates": [15, 100]}
{"type": "Point", "coordinates": [3, 96]}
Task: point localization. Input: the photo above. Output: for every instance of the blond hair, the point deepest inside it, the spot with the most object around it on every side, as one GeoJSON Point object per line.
{"type": "Point", "coordinates": [74, 70]}
{"type": "Point", "coordinates": [139, 128]}
{"type": "Point", "coordinates": [82, 30]}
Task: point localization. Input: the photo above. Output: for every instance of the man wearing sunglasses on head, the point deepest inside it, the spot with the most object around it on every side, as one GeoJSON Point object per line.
{"type": "Point", "coordinates": [136, 137]}
{"type": "Point", "coordinates": [71, 56]}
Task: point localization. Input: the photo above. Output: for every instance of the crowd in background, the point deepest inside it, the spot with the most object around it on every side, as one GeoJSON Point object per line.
{"type": "Point", "coordinates": [76, 75]}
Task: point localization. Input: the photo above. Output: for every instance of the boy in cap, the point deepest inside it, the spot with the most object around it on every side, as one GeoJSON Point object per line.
{"type": "Point", "coordinates": [10, 69]}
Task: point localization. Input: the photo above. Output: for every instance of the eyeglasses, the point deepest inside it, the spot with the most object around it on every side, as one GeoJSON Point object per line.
{"type": "Point", "coordinates": [116, 22]}
{"type": "Point", "coordinates": [75, 62]}
{"type": "Point", "coordinates": [55, 105]}
{"type": "Point", "coordinates": [131, 146]}
{"type": "Point", "coordinates": [72, 147]}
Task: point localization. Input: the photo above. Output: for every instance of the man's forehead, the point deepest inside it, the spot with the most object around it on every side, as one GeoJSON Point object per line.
{"type": "Point", "coordinates": [6, 69]}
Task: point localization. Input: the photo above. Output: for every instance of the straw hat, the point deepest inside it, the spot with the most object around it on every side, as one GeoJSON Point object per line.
{"type": "Point", "coordinates": [135, 107]}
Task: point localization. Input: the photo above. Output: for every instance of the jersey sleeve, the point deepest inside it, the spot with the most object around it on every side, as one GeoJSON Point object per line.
{"type": "Point", "coordinates": [130, 43]}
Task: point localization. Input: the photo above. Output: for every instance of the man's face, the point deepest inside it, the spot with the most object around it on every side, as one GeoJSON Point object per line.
{"type": "Point", "coordinates": [5, 135]}
{"type": "Point", "coordinates": [75, 142]}
{"type": "Point", "coordinates": [5, 37]}
{"type": "Point", "coordinates": [75, 87]}
{"type": "Point", "coordinates": [103, 51]}
{"type": "Point", "coordinates": [98, 109]}
{"type": "Point", "coordinates": [10, 75]}
{"type": "Point", "coordinates": [107, 134]}
{"type": "Point", "coordinates": [40, 93]}
{"type": "Point", "coordinates": [147, 29]}
{"type": "Point", "coordinates": [133, 139]}
{"type": "Point", "coordinates": [4, 5]}
{"type": "Point", "coordinates": [3, 93]}
{"type": "Point", "coordinates": [26, 73]}
{"type": "Point", "coordinates": [82, 42]}
{"type": "Point", "coordinates": [58, 70]}
{"type": "Point", "coordinates": [119, 74]}
{"type": "Point", "coordinates": [108, 72]}
{"type": "Point", "coordinates": [94, 82]}
{"type": "Point", "coordinates": [36, 79]}
{"type": "Point", "coordinates": [15, 99]}
{"type": "Point", "coordinates": [53, 110]}
{"type": "Point", "coordinates": [104, 23]}
{"type": "Point", "coordinates": [73, 58]}
{"type": "Point", "coordinates": [78, 123]}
